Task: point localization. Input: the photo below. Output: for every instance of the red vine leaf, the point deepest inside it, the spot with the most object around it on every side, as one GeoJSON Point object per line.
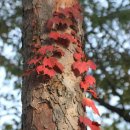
{"type": "Point", "coordinates": [44, 49]}
{"type": "Point", "coordinates": [74, 11]}
{"type": "Point", "coordinates": [57, 20]}
{"type": "Point", "coordinates": [79, 56]}
{"type": "Point", "coordinates": [91, 64]}
{"type": "Point", "coordinates": [94, 94]}
{"type": "Point", "coordinates": [43, 70]}
{"type": "Point", "coordinates": [77, 12]}
{"type": "Point", "coordinates": [84, 85]}
{"type": "Point", "coordinates": [40, 69]}
{"type": "Point", "coordinates": [50, 65]}
{"type": "Point", "coordinates": [90, 79]}
{"type": "Point", "coordinates": [87, 82]}
{"type": "Point", "coordinates": [49, 62]}
{"type": "Point", "coordinates": [95, 123]}
{"type": "Point", "coordinates": [88, 102]}
{"type": "Point", "coordinates": [49, 24]}
{"type": "Point", "coordinates": [52, 62]}
{"type": "Point", "coordinates": [87, 122]}
{"type": "Point", "coordinates": [34, 61]}
{"type": "Point", "coordinates": [56, 36]}
{"type": "Point", "coordinates": [49, 72]}
{"type": "Point", "coordinates": [79, 67]}
{"type": "Point", "coordinates": [69, 37]}
{"type": "Point", "coordinates": [59, 67]}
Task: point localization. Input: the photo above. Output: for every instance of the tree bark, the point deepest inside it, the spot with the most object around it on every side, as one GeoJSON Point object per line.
{"type": "Point", "coordinates": [56, 104]}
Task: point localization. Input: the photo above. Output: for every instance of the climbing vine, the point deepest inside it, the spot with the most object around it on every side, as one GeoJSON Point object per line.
{"type": "Point", "coordinates": [62, 31]}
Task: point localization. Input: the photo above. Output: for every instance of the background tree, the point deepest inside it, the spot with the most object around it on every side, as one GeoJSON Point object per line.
{"type": "Point", "coordinates": [107, 35]}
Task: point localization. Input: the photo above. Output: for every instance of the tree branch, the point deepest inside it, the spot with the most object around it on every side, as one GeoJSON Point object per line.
{"type": "Point", "coordinates": [123, 15]}
{"type": "Point", "coordinates": [123, 113]}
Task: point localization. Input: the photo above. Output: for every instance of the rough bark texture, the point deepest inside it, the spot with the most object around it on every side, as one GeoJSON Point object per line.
{"type": "Point", "coordinates": [54, 105]}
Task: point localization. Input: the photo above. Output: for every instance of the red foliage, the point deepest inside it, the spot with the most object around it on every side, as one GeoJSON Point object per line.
{"type": "Point", "coordinates": [90, 79]}
{"type": "Point", "coordinates": [49, 62]}
{"type": "Point", "coordinates": [88, 102]}
{"type": "Point", "coordinates": [79, 56]}
{"type": "Point", "coordinates": [57, 20]}
{"type": "Point", "coordinates": [72, 12]}
{"type": "Point", "coordinates": [59, 67]}
{"type": "Point", "coordinates": [79, 67]}
{"type": "Point", "coordinates": [86, 121]}
{"type": "Point", "coordinates": [44, 49]}
{"type": "Point", "coordinates": [56, 36]}
{"type": "Point", "coordinates": [91, 64]}
{"type": "Point", "coordinates": [84, 85]}
{"type": "Point", "coordinates": [87, 82]}
{"type": "Point", "coordinates": [45, 60]}
{"type": "Point", "coordinates": [49, 67]}
{"type": "Point", "coordinates": [34, 61]}
{"type": "Point", "coordinates": [43, 70]}
{"type": "Point", "coordinates": [52, 62]}
{"type": "Point", "coordinates": [93, 93]}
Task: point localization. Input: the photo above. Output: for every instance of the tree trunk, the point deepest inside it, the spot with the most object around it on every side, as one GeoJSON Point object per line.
{"type": "Point", "coordinates": [56, 104]}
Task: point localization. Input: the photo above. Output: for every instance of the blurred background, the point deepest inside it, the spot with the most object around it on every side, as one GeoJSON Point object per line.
{"type": "Point", "coordinates": [107, 35]}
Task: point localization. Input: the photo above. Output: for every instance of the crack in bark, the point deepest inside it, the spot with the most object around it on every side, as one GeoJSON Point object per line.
{"type": "Point", "coordinates": [64, 113]}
